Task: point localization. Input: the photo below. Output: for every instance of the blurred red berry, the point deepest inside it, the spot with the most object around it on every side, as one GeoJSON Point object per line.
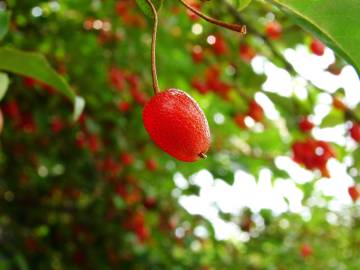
{"type": "Point", "coordinates": [197, 54]}
{"type": "Point", "coordinates": [354, 193]}
{"type": "Point", "coordinates": [11, 109]}
{"type": "Point", "coordinates": [240, 121]}
{"type": "Point", "coordinates": [355, 132]}
{"type": "Point", "coordinates": [247, 53]}
{"type": "Point", "coordinates": [151, 164]}
{"type": "Point", "coordinates": [273, 30]}
{"type": "Point", "coordinates": [57, 125]}
{"type": "Point", "coordinates": [93, 143]}
{"type": "Point", "coordinates": [117, 78]}
{"type": "Point", "coordinates": [313, 154]}
{"type": "Point", "coordinates": [305, 125]}
{"type": "Point", "coordinates": [124, 106]}
{"type": "Point", "coordinates": [255, 111]}
{"type": "Point", "coordinates": [127, 159]}
{"type": "Point", "coordinates": [220, 47]}
{"type": "Point", "coordinates": [306, 250]}
{"type": "Point", "coordinates": [150, 202]}
{"type": "Point", "coordinates": [317, 47]}
{"type": "Point", "coordinates": [200, 86]}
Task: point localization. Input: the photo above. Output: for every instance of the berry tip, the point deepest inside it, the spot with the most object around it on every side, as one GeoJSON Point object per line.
{"type": "Point", "coordinates": [202, 155]}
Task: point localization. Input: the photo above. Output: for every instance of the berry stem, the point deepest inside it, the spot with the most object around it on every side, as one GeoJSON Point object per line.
{"type": "Point", "coordinates": [202, 155]}
{"type": "Point", "coordinates": [153, 49]}
{"type": "Point", "coordinates": [234, 27]}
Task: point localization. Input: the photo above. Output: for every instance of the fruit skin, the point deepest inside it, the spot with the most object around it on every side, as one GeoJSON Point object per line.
{"type": "Point", "coordinates": [177, 125]}
{"type": "Point", "coordinates": [355, 132]}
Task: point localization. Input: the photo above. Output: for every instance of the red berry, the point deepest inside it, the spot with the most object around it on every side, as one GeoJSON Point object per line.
{"type": "Point", "coordinates": [11, 109]}
{"type": "Point", "coordinates": [127, 159]}
{"type": "Point", "coordinates": [140, 97]}
{"type": "Point", "coordinates": [93, 143]}
{"type": "Point", "coordinates": [191, 14]}
{"type": "Point", "coordinates": [151, 165]}
{"type": "Point", "coordinates": [200, 86]}
{"type": "Point", "coordinates": [273, 30]}
{"type": "Point", "coordinates": [313, 154]}
{"type": "Point", "coordinates": [177, 125]}
{"type": "Point", "coordinates": [354, 193]}
{"type": "Point", "coordinates": [220, 46]}
{"type": "Point", "coordinates": [355, 132]}
{"type": "Point", "coordinates": [117, 78]}
{"type": "Point", "coordinates": [57, 125]}
{"type": "Point", "coordinates": [256, 112]}
{"type": "Point", "coordinates": [240, 121]}
{"type": "Point", "coordinates": [317, 47]}
{"type": "Point", "coordinates": [124, 106]}
{"type": "Point", "coordinates": [306, 250]}
{"type": "Point", "coordinates": [305, 125]}
{"type": "Point", "coordinates": [197, 54]}
{"type": "Point", "coordinates": [150, 202]}
{"type": "Point", "coordinates": [246, 52]}
{"type": "Point", "coordinates": [30, 82]}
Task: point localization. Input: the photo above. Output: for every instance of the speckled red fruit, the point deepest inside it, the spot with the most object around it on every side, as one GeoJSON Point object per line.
{"type": "Point", "coordinates": [177, 125]}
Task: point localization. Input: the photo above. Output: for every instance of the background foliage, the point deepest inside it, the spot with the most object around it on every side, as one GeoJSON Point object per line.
{"type": "Point", "coordinates": [95, 193]}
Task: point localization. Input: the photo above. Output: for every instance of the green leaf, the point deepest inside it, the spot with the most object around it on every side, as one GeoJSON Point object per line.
{"type": "Point", "coordinates": [145, 7]}
{"type": "Point", "coordinates": [242, 4]}
{"type": "Point", "coordinates": [4, 23]}
{"type": "Point", "coordinates": [21, 262]}
{"type": "Point", "coordinates": [35, 65]}
{"type": "Point", "coordinates": [4, 84]}
{"type": "Point", "coordinates": [334, 22]}
{"type": "Point", "coordinates": [335, 117]}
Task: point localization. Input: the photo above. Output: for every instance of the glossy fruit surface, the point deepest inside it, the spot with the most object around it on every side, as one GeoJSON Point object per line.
{"type": "Point", "coordinates": [177, 125]}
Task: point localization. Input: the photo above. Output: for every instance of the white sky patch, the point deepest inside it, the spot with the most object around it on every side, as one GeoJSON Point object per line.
{"type": "Point", "coordinates": [266, 193]}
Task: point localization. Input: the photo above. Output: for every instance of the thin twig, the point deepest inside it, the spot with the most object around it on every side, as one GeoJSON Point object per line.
{"type": "Point", "coordinates": [153, 49]}
{"type": "Point", "coordinates": [234, 27]}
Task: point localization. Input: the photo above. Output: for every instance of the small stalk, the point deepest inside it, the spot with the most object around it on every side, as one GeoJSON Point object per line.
{"type": "Point", "coordinates": [153, 49]}
{"type": "Point", "coordinates": [234, 27]}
